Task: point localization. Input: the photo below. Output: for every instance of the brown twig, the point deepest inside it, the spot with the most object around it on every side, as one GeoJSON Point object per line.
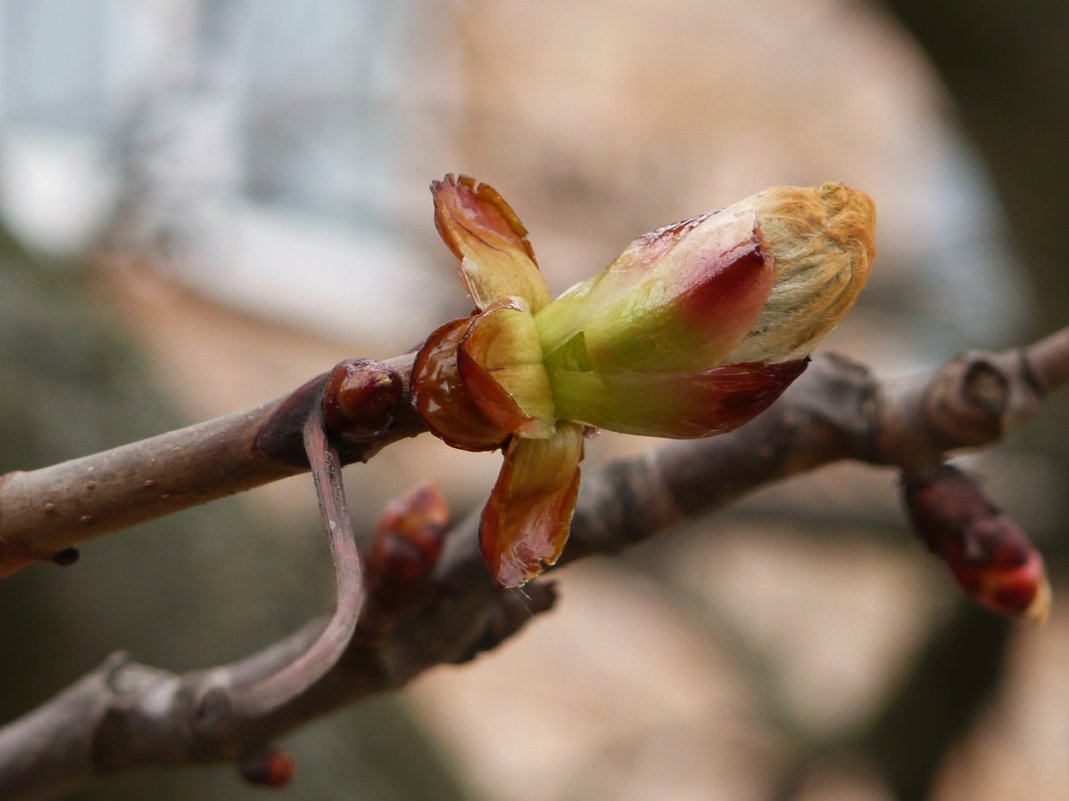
{"type": "Point", "coordinates": [1048, 360]}
{"type": "Point", "coordinates": [126, 714]}
{"type": "Point", "coordinates": [46, 511]}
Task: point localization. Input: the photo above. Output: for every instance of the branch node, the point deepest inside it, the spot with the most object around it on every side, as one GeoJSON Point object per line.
{"type": "Point", "coordinates": [983, 384]}
{"type": "Point", "coordinates": [967, 402]}
{"type": "Point", "coordinates": [213, 707]}
{"type": "Point", "coordinates": [848, 401]}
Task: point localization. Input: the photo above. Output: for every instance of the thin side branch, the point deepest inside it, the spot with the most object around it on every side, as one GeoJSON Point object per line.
{"type": "Point", "coordinates": [126, 714]}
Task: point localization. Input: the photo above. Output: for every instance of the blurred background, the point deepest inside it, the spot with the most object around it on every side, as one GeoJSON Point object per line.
{"type": "Point", "coordinates": [205, 202]}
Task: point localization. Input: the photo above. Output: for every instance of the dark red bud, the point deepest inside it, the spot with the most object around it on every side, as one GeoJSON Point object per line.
{"type": "Point", "coordinates": [360, 398]}
{"type": "Point", "coordinates": [404, 551]}
{"type": "Point", "coordinates": [269, 768]}
{"type": "Point", "coordinates": [989, 555]}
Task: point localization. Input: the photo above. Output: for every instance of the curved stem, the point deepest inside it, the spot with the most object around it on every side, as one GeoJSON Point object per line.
{"type": "Point", "coordinates": [265, 695]}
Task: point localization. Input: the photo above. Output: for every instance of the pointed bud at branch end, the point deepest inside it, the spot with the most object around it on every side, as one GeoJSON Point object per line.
{"type": "Point", "coordinates": [990, 556]}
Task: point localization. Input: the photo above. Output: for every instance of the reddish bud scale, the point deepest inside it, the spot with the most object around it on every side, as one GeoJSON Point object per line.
{"type": "Point", "coordinates": [270, 768]}
{"type": "Point", "coordinates": [360, 398]}
{"type": "Point", "coordinates": [671, 405]}
{"type": "Point", "coordinates": [499, 355]}
{"type": "Point", "coordinates": [989, 555]}
{"type": "Point", "coordinates": [743, 391]}
{"type": "Point", "coordinates": [441, 399]}
{"type": "Point", "coordinates": [488, 395]}
{"type": "Point", "coordinates": [723, 298]}
{"type": "Point", "coordinates": [639, 315]}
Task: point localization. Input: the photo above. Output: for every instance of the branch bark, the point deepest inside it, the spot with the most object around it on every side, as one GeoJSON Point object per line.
{"type": "Point", "coordinates": [126, 714]}
{"type": "Point", "coordinates": [45, 512]}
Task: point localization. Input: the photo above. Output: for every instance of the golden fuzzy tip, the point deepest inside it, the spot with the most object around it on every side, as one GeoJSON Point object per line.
{"type": "Point", "coordinates": [822, 240]}
{"type": "Point", "coordinates": [850, 217]}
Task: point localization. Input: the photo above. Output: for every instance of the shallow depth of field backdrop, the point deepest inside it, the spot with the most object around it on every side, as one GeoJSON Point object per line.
{"type": "Point", "coordinates": [205, 203]}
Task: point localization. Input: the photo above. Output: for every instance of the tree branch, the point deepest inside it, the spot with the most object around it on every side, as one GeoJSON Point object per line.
{"type": "Point", "coordinates": [45, 512]}
{"type": "Point", "coordinates": [126, 714]}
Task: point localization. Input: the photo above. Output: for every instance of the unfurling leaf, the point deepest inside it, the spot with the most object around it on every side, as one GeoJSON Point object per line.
{"type": "Point", "coordinates": [694, 330]}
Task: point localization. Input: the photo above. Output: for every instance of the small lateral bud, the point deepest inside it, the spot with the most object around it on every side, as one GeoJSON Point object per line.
{"type": "Point", "coordinates": [271, 767]}
{"type": "Point", "coordinates": [989, 555]}
{"type": "Point", "coordinates": [404, 551]}
{"type": "Point", "coordinates": [360, 398]}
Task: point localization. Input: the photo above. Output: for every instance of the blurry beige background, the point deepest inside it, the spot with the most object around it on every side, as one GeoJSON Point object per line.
{"type": "Point", "coordinates": [242, 186]}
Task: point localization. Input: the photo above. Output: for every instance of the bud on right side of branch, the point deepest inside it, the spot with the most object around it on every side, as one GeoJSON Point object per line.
{"type": "Point", "coordinates": [988, 553]}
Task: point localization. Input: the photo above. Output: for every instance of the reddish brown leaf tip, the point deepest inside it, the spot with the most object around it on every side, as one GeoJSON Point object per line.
{"type": "Point", "coordinates": [440, 398]}
{"type": "Point", "coordinates": [360, 398]}
{"type": "Point", "coordinates": [989, 555]}
{"type": "Point", "coordinates": [268, 768]}
{"type": "Point", "coordinates": [465, 199]}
